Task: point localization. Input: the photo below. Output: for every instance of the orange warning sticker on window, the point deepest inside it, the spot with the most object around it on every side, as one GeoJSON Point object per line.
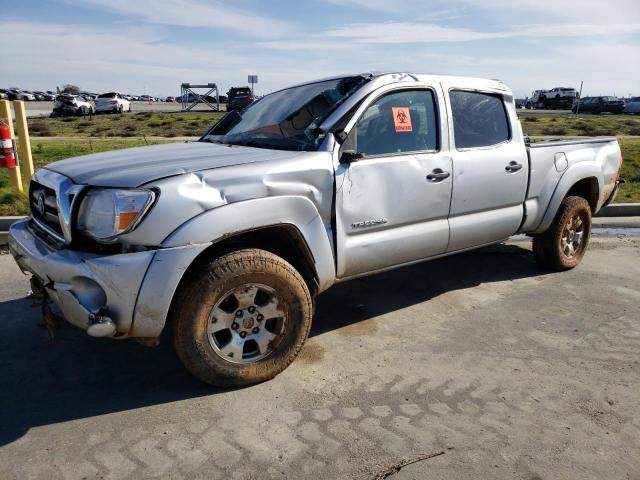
{"type": "Point", "coordinates": [402, 119]}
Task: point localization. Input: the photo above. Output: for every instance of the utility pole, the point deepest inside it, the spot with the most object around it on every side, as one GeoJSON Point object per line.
{"type": "Point", "coordinates": [579, 98]}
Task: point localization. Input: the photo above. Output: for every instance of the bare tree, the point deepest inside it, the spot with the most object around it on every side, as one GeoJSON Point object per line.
{"type": "Point", "coordinates": [73, 89]}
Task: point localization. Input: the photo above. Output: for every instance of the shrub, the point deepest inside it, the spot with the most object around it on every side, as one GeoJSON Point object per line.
{"type": "Point", "coordinates": [554, 131]}
{"type": "Point", "coordinates": [41, 130]}
{"type": "Point", "coordinates": [531, 119]}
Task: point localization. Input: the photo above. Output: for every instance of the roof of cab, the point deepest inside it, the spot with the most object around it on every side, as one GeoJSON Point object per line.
{"type": "Point", "coordinates": [474, 83]}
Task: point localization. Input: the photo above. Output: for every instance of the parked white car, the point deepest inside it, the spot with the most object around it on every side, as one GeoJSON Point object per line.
{"type": "Point", "coordinates": [562, 92]}
{"type": "Point", "coordinates": [112, 102]}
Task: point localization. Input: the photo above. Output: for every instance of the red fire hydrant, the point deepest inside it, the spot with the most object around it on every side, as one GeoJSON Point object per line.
{"type": "Point", "coordinates": [7, 153]}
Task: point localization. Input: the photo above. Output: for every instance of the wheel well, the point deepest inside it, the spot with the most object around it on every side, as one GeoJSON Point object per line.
{"type": "Point", "coordinates": [586, 188]}
{"type": "Point", "coordinates": [284, 240]}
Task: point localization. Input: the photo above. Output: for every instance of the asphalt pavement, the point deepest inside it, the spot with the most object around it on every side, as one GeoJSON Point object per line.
{"type": "Point", "coordinates": [501, 369]}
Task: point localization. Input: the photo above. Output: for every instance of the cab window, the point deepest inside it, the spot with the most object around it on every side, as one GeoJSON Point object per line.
{"type": "Point", "coordinates": [398, 122]}
{"type": "Point", "coordinates": [479, 119]}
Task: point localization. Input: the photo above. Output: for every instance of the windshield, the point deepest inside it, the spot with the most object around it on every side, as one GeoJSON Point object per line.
{"type": "Point", "coordinates": [107, 95]}
{"type": "Point", "coordinates": [288, 119]}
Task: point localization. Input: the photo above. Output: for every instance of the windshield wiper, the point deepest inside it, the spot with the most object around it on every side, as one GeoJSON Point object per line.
{"type": "Point", "coordinates": [210, 140]}
{"type": "Point", "coordinates": [259, 144]}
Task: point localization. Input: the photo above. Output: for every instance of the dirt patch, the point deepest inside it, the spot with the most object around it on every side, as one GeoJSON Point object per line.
{"type": "Point", "coordinates": [311, 353]}
{"type": "Point", "coordinates": [359, 329]}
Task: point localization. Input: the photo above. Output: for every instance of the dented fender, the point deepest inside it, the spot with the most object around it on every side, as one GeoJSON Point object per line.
{"type": "Point", "coordinates": [297, 211]}
{"type": "Point", "coordinates": [183, 246]}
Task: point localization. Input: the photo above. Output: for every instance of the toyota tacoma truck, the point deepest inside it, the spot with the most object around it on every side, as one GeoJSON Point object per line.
{"type": "Point", "coordinates": [227, 241]}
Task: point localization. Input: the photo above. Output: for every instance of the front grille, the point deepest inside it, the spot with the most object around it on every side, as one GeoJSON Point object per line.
{"type": "Point", "coordinates": [44, 206]}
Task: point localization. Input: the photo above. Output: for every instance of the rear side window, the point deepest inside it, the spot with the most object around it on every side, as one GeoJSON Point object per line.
{"type": "Point", "coordinates": [479, 119]}
{"type": "Point", "coordinates": [399, 122]}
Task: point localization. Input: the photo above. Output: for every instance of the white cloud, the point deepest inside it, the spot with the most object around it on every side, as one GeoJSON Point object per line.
{"type": "Point", "coordinates": [193, 13]}
{"type": "Point", "coordinates": [410, 32]}
{"type": "Point", "coordinates": [135, 60]}
{"type": "Point", "coordinates": [577, 11]}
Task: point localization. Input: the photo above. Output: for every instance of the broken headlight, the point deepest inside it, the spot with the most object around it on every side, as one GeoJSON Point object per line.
{"type": "Point", "coordinates": [106, 213]}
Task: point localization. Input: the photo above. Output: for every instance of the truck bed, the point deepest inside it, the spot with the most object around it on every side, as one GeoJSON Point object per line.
{"type": "Point", "coordinates": [599, 159]}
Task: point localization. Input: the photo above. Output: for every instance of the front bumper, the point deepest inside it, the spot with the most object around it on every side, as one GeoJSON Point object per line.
{"type": "Point", "coordinates": [82, 284]}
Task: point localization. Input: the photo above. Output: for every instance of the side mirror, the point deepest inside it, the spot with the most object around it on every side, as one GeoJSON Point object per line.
{"type": "Point", "coordinates": [348, 156]}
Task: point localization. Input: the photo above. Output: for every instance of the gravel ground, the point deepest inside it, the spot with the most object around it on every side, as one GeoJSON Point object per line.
{"type": "Point", "coordinates": [512, 372]}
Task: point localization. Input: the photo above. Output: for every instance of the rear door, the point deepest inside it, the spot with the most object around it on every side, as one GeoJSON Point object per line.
{"type": "Point", "coordinates": [392, 204]}
{"type": "Point", "coordinates": [490, 168]}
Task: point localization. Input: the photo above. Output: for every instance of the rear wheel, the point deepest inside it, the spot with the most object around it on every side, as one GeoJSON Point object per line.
{"type": "Point", "coordinates": [241, 319]}
{"type": "Point", "coordinates": [563, 245]}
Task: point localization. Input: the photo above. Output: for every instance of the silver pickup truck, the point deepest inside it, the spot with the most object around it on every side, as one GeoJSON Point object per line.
{"type": "Point", "coordinates": [228, 240]}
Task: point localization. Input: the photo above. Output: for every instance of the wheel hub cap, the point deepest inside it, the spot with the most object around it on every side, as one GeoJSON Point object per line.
{"type": "Point", "coordinates": [246, 323]}
{"type": "Point", "coordinates": [572, 236]}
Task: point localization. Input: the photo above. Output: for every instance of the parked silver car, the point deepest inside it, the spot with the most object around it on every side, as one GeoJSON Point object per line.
{"type": "Point", "coordinates": [231, 238]}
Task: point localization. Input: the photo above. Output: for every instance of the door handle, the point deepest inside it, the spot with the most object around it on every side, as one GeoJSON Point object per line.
{"type": "Point", "coordinates": [438, 174]}
{"type": "Point", "coordinates": [513, 166]}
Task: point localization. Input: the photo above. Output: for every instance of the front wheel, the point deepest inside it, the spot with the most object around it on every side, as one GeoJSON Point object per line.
{"type": "Point", "coordinates": [564, 244]}
{"type": "Point", "coordinates": [241, 318]}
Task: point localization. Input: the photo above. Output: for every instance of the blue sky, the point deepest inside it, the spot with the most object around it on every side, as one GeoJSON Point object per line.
{"type": "Point", "coordinates": [147, 46]}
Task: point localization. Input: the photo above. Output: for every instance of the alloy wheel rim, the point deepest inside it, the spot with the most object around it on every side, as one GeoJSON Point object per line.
{"type": "Point", "coordinates": [247, 323]}
{"type": "Point", "coordinates": [573, 235]}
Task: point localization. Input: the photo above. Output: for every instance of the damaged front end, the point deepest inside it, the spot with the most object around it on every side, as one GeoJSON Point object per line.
{"type": "Point", "coordinates": [95, 293]}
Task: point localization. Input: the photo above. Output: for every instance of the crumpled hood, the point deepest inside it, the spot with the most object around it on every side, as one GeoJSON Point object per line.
{"type": "Point", "coordinates": [133, 167]}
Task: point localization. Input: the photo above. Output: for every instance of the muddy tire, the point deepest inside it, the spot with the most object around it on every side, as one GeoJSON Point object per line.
{"type": "Point", "coordinates": [564, 244]}
{"type": "Point", "coordinates": [241, 319]}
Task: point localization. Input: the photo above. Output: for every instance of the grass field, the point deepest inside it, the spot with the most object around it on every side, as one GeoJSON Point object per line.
{"type": "Point", "coordinates": [129, 125]}
{"type": "Point", "coordinates": [80, 136]}
{"type": "Point", "coordinates": [580, 125]}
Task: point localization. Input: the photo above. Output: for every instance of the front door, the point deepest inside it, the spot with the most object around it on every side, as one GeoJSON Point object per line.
{"type": "Point", "coordinates": [392, 203]}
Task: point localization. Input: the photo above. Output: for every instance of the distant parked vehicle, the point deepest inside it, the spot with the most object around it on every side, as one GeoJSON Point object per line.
{"type": "Point", "coordinates": [170, 100]}
{"type": "Point", "coordinates": [520, 102]}
{"type": "Point", "coordinates": [3, 94]}
{"type": "Point", "coordinates": [112, 102]}
{"type": "Point", "coordinates": [36, 96]}
{"type": "Point", "coordinates": [556, 98]}
{"type": "Point", "coordinates": [633, 106]}
{"type": "Point", "coordinates": [67, 104]}
{"type": "Point", "coordinates": [45, 96]}
{"type": "Point", "coordinates": [239, 97]}
{"type": "Point", "coordinates": [599, 105]}
{"type": "Point", "coordinates": [32, 96]}
{"type": "Point", "coordinates": [17, 94]}
{"type": "Point", "coordinates": [147, 98]}
{"type": "Point", "coordinates": [558, 93]}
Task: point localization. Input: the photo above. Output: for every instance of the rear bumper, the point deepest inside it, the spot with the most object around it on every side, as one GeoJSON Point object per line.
{"type": "Point", "coordinates": [612, 195]}
{"type": "Point", "coordinates": [82, 284]}
{"type": "Point", "coordinates": [109, 108]}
